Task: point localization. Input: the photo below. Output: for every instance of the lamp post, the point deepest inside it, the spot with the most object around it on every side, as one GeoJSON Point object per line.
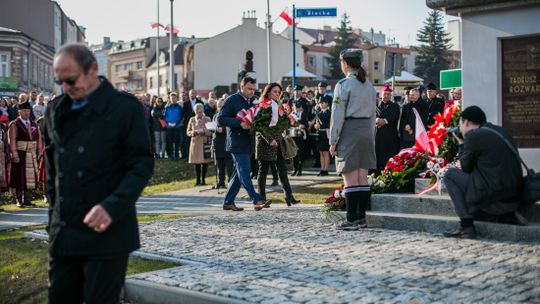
{"type": "Point", "coordinates": [268, 31]}
{"type": "Point", "coordinates": [171, 53]}
{"type": "Point", "coordinates": [157, 49]}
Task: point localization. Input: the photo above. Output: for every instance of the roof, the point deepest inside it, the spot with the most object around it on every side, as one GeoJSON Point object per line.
{"type": "Point", "coordinates": [119, 47]}
{"type": "Point", "coordinates": [328, 35]}
{"type": "Point", "coordinates": [178, 55]}
{"type": "Point", "coordinates": [365, 46]}
{"type": "Point", "coordinates": [454, 7]}
{"type": "Point", "coordinates": [300, 73]}
{"type": "Point", "coordinates": [406, 77]}
{"type": "Point", "coordinates": [317, 48]}
{"type": "Point", "coordinates": [390, 49]}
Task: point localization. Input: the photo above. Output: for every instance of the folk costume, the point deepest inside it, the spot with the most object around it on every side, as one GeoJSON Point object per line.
{"type": "Point", "coordinates": [25, 142]}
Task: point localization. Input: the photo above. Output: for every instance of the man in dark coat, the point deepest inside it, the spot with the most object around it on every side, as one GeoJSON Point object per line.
{"type": "Point", "coordinates": [432, 105]}
{"type": "Point", "coordinates": [386, 136]}
{"type": "Point", "coordinates": [239, 145]}
{"type": "Point", "coordinates": [407, 123]}
{"type": "Point", "coordinates": [490, 179]}
{"type": "Point", "coordinates": [98, 161]}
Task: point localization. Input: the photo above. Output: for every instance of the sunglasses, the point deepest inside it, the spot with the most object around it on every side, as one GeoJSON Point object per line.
{"type": "Point", "coordinates": [69, 81]}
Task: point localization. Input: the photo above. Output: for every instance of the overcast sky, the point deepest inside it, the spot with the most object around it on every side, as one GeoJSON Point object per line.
{"type": "Point", "coordinates": [130, 19]}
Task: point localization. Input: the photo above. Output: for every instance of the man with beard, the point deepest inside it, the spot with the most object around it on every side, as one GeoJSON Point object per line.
{"type": "Point", "coordinates": [386, 136]}
{"type": "Point", "coordinates": [407, 123]}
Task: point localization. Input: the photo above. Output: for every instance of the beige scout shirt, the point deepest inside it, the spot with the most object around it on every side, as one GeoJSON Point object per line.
{"type": "Point", "coordinates": [351, 99]}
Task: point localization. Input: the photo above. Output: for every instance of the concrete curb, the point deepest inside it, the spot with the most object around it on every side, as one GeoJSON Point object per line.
{"type": "Point", "coordinates": [142, 292]}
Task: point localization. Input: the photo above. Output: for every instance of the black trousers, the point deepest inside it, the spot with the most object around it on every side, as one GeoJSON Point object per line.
{"type": "Point", "coordinates": [92, 280]}
{"type": "Point", "coordinates": [173, 142]}
{"type": "Point", "coordinates": [299, 158]}
{"type": "Point", "coordinates": [223, 164]}
{"type": "Point", "coordinates": [200, 172]}
{"type": "Point", "coordinates": [282, 173]}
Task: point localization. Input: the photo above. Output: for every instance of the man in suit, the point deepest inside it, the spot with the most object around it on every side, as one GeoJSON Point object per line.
{"type": "Point", "coordinates": [239, 145]}
{"type": "Point", "coordinates": [407, 123]}
{"type": "Point", "coordinates": [490, 179]}
{"type": "Point", "coordinates": [98, 160]}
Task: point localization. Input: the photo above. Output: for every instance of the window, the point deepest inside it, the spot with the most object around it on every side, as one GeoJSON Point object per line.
{"type": "Point", "coordinates": [150, 82]}
{"type": "Point", "coordinates": [139, 65]}
{"type": "Point", "coordinates": [127, 66]}
{"type": "Point", "coordinates": [376, 80]}
{"type": "Point", "coordinates": [311, 61]}
{"type": "Point", "coordinates": [139, 83]}
{"type": "Point", "coordinates": [376, 65]}
{"type": "Point", "coordinates": [327, 63]}
{"type": "Point", "coordinates": [4, 65]}
{"type": "Point", "coordinates": [117, 68]}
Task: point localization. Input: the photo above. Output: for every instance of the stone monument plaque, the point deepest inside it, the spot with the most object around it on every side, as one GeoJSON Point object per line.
{"type": "Point", "coordinates": [521, 89]}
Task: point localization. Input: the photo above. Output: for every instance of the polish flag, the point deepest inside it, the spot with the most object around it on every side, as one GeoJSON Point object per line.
{"type": "Point", "coordinates": [155, 25]}
{"type": "Point", "coordinates": [422, 141]}
{"type": "Point", "coordinates": [175, 29]}
{"type": "Point", "coordinates": [285, 16]}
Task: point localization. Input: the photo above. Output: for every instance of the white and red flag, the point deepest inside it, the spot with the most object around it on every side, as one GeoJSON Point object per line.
{"type": "Point", "coordinates": [285, 16]}
{"type": "Point", "coordinates": [175, 30]}
{"type": "Point", "coordinates": [155, 25]}
{"type": "Point", "coordinates": [422, 141]}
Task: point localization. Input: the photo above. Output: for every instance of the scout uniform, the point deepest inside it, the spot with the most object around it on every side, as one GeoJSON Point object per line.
{"type": "Point", "coordinates": [352, 131]}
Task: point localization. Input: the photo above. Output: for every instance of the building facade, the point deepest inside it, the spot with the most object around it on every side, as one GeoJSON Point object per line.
{"type": "Point", "coordinates": [501, 55]}
{"type": "Point", "coordinates": [25, 64]}
{"type": "Point", "coordinates": [43, 20]}
{"type": "Point", "coordinates": [204, 69]}
{"type": "Point", "coordinates": [158, 84]}
{"type": "Point", "coordinates": [101, 52]}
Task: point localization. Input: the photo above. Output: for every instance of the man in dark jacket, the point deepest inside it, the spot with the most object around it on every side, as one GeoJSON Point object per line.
{"type": "Point", "coordinates": [490, 178]}
{"type": "Point", "coordinates": [432, 104]}
{"type": "Point", "coordinates": [239, 144]}
{"type": "Point", "coordinates": [97, 163]}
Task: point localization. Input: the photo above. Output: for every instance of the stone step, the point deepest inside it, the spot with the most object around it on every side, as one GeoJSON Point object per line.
{"type": "Point", "coordinates": [420, 184]}
{"type": "Point", "coordinates": [431, 205]}
{"type": "Point", "coordinates": [438, 224]}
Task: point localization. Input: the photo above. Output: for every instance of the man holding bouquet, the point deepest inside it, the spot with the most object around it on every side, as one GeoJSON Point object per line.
{"type": "Point", "coordinates": [239, 145]}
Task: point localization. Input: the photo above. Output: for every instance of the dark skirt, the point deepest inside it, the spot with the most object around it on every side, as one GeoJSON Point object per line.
{"type": "Point", "coordinates": [323, 144]}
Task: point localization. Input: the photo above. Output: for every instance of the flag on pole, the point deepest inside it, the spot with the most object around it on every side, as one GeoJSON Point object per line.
{"type": "Point", "coordinates": [175, 30]}
{"type": "Point", "coordinates": [285, 16]}
{"type": "Point", "coordinates": [155, 25]}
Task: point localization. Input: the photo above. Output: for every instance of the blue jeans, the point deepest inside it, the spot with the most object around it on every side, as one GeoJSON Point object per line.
{"type": "Point", "coordinates": [241, 176]}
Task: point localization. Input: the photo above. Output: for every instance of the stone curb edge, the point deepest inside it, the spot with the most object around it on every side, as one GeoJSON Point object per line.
{"type": "Point", "coordinates": [140, 291]}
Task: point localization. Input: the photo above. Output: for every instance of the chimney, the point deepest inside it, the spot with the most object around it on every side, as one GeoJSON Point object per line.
{"type": "Point", "coordinates": [106, 40]}
{"type": "Point", "coordinates": [327, 27]}
{"type": "Point", "coordinates": [249, 17]}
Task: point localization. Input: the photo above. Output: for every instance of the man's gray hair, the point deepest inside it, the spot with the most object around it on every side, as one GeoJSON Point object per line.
{"type": "Point", "coordinates": [80, 53]}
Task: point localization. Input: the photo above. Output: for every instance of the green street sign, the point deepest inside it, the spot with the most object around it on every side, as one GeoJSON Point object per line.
{"type": "Point", "coordinates": [450, 79]}
{"type": "Point", "coordinates": [9, 83]}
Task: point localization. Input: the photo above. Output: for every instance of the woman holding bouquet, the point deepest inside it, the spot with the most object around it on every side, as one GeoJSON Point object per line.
{"type": "Point", "coordinates": [200, 136]}
{"type": "Point", "coordinates": [269, 149]}
{"type": "Point", "coordinates": [352, 136]}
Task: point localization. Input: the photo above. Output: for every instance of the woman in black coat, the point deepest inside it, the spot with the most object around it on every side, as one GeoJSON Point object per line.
{"type": "Point", "coordinates": [158, 125]}
{"type": "Point", "coordinates": [222, 158]}
{"type": "Point", "coordinates": [269, 150]}
{"type": "Point", "coordinates": [386, 136]}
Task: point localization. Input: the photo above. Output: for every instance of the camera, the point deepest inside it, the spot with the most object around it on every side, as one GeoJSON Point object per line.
{"type": "Point", "coordinates": [454, 131]}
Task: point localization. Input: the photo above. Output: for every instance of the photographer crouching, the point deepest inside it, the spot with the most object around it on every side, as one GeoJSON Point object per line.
{"type": "Point", "coordinates": [490, 180]}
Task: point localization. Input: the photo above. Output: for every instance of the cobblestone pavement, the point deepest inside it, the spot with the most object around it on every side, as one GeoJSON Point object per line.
{"type": "Point", "coordinates": [293, 256]}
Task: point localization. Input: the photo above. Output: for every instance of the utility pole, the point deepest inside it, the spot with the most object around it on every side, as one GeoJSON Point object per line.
{"type": "Point", "coordinates": [171, 53]}
{"type": "Point", "coordinates": [294, 45]}
{"type": "Point", "coordinates": [268, 32]}
{"type": "Point", "coordinates": [157, 48]}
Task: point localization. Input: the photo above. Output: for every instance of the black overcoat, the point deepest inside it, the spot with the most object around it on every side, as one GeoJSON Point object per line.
{"type": "Point", "coordinates": [386, 137]}
{"type": "Point", "coordinates": [99, 154]}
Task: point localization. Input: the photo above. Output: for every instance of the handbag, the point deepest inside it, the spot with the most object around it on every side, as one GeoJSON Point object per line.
{"type": "Point", "coordinates": [290, 149]}
{"type": "Point", "coordinates": [531, 182]}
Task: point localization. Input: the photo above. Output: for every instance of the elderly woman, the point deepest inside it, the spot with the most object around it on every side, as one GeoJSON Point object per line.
{"type": "Point", "coordinates": [200, 136]}
{"type": "Point", "coordinates": [268, 150]}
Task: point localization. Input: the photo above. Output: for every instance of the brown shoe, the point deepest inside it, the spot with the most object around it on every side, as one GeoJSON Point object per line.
{"type": "Point", "coordinates": [262, 204]}
{"type": "Point", "coordinates": [232, 208]}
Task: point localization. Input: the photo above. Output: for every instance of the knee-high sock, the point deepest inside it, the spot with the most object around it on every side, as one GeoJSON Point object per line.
{"type": "Point", "coordinates": [364, 200]}
{"type": "Point", "coordinates": [352, 199]}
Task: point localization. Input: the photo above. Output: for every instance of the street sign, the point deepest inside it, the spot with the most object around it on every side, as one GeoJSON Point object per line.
{"type": "Point", "coordinates": [316, 12]}
{"type": "Point", "coordinates": [450, 79]}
